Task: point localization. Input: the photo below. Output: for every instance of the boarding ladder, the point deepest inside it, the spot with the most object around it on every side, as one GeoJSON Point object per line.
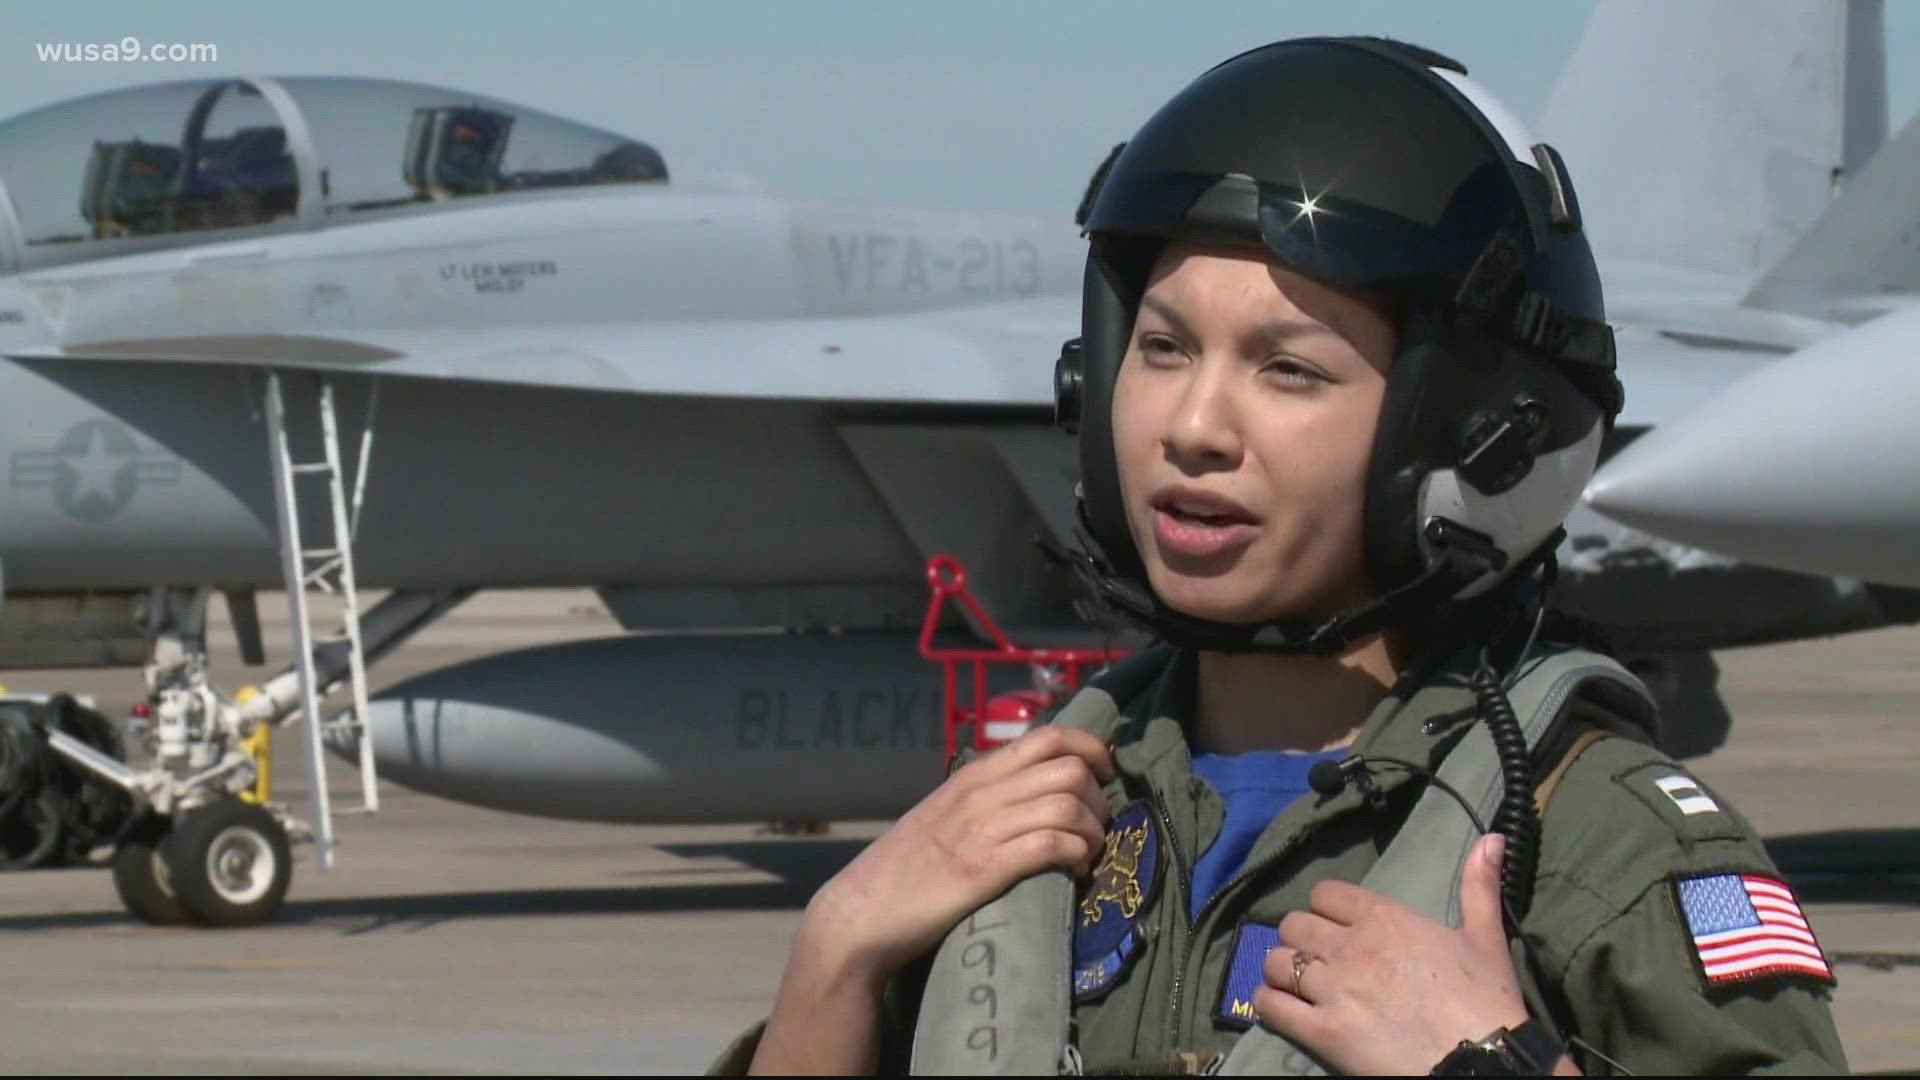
{"type": "Point", "coordinates": [326, 568]}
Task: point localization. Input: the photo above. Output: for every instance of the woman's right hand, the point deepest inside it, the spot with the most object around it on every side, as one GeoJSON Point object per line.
{"type": "Point", "coordinates": [1033, 804]}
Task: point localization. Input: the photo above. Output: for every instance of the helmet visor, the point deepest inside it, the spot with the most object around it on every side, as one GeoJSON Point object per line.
{"type": "Point", "coordinates": [1346, 165]}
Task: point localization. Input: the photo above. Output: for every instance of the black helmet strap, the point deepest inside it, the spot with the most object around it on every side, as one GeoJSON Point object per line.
{"type": "Point", "coordinates": [1487, 299]}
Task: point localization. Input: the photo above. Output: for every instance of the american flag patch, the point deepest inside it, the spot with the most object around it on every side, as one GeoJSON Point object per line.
{"type": "Point", "coordinates": [1745, 926]}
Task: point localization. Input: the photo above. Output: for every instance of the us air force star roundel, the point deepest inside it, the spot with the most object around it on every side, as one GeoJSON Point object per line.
{"type": "Point", "coordinates": [94, 470]}
{"type": "Point", "coordinates": [1107, 920]}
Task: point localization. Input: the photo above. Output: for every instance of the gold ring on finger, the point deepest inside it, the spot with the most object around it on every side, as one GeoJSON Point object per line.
{"type": "Point", "coordinates": [1301, 958]}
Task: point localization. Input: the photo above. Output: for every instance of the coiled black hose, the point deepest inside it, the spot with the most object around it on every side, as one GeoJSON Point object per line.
{"type": "Point", "coordinates": [1515, 818]}
{"type": "Point", "coordinates": [51, 813]}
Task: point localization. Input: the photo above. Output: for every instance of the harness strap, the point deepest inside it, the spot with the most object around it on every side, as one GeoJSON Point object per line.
{"type": "Point", "coordinates": [1422, 865]}
{"type": "Point", "coordinates": [998, 1000]}
{"type": "Point", "coordinates": [1544, 793]}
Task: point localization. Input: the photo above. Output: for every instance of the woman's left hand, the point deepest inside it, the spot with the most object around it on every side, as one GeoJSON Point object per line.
{"type": "Point", "coordinates": [1388, 990]}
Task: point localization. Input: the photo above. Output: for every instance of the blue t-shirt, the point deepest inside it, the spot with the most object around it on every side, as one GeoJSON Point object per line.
{"type": "Point", "coordinates": [1255, 786]}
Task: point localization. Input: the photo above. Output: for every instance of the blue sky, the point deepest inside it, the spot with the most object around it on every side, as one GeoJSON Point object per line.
{"type": "Point", "coordinates": [974, 104]}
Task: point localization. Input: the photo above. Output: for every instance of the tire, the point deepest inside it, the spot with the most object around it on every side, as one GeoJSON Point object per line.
{"type": "Point", "coordinates": [30, 837]}
{"type": "Point", "coordinates": [140, 876]}
{"type": "Point", "coordinates": [230, 863]}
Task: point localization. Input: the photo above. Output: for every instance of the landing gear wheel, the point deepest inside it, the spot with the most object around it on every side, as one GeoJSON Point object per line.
{"type": "Point", "coordinates": [230, 863]}
{"type": "Point", "coordinates": [140, 876]}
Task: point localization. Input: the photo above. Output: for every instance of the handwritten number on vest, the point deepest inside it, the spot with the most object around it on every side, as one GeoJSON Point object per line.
{"type": "Point", "coordinates": [980, 954]}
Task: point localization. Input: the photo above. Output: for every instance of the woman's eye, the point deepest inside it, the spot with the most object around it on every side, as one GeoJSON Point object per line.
{"type": "Point", "coordinates": [1159, 349]}
{"type": "Point", "coordinates": [1293, 375]}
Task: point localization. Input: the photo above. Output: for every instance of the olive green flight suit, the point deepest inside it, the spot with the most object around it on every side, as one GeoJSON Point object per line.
{"type": "Point", "coordinates": [1616, 961]}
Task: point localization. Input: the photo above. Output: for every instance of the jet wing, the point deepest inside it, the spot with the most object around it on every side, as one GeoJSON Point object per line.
{"type": "Point", "coordinates": [996, 356]}
{"type": "Point", "coordinates": [1667, 372]}
{"type": "Point", "coordinates": [999, 355]}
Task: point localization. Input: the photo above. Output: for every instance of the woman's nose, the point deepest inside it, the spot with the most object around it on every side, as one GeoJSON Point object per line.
{"type": "Point", "coordinates": [1202, 429]}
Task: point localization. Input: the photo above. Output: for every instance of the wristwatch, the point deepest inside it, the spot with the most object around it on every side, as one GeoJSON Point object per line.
{"type": "Point", "coordinates": [1531, 1049]}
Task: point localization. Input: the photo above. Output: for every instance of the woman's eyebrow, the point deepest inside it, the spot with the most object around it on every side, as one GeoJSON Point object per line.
{"type": "Point", "coordinates": [1169, 313]}
{"type": "Point", "coordinates": [1276, 332]}
{"type": "Point", "coordinates": [1272, 332]}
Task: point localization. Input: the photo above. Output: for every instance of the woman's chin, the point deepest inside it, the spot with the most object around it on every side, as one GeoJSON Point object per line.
{"type": "Point", "coordinates": [1213, 599]}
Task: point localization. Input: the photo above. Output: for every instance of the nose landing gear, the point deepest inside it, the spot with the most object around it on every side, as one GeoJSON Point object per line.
{"type": "Point", "coordinates": [227, 863]}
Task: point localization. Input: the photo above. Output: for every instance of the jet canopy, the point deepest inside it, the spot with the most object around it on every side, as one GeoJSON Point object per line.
{"type": "Point", "coordinates": [123, 170]}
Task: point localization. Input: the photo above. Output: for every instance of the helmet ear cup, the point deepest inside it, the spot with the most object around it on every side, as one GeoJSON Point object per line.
{"type": "Point", "coordinates": [1497, 449]}
{"type": "Point", "coordinates": [1522, 517]}
{"type": "Point", "coordinates": [1109, 297]}
{"type": "Point", "coordinates": [1411, 440]}
{"type": "Point", "coordinates": [1511, 472]}
{"type": "Point", "coordinates": [1069, 378]}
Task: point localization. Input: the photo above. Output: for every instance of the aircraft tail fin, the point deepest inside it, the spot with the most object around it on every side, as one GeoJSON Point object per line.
{"type": "Point", "coordinates": [1709, 135]}
{"type": "Point", "coordinates": [1864, 246]}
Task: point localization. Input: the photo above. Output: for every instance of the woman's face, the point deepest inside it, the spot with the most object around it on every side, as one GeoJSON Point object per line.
{"type": "Point", "coordinates": [1243, 417]}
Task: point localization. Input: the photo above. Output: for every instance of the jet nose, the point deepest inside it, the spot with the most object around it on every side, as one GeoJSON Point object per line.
{"type": "Point", "coordinates": [1807, 464]}
{"type": "Point", "coordinates": [1674, 482]}
{"type": "Point", "coordinates": [1710, 477]}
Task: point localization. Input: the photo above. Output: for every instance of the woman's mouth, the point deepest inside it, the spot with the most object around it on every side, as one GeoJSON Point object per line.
{"type": "Point", "coordinates": [1199, 535]}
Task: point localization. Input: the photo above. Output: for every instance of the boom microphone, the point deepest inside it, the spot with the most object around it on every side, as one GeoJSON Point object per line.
{"type": "Point", "coordinates": [1330, 778]}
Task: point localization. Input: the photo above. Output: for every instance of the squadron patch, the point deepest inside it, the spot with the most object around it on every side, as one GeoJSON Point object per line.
{"type": "Point", "coordinates": [1245, 973]}
{"type": "Point", "coordinates": [1746, 927]}
{"type": "Point", "coordinates": [1106, 927]}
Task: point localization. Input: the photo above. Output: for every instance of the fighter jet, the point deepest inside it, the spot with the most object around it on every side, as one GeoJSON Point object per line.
{"type": "Point", "coordinates": [455, 343]}
{"type": "Point", "coordinates": [517, 351]}
{"type": "Point", "coordinates": [1808, 464]}
{"type": "Point", "coordinates": [1812, 464]}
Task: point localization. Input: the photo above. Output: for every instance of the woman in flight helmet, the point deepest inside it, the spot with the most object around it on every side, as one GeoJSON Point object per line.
{"type": "Point", "coordinates": [1343, 370]}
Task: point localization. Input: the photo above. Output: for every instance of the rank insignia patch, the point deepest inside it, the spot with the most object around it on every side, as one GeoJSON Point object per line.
{"type": "Point", "coordinates": [1245, 973]}
{"type": "Point", "coordinates": [1106, 935]}
{"type": "Point", "coordinates": [1748, 926]}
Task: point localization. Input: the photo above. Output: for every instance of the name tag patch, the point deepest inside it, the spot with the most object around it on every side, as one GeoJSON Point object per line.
{"type": "Point", "coordinates": [1252, 942]}
{"type": "Point", "coordinates": [1113, 904]}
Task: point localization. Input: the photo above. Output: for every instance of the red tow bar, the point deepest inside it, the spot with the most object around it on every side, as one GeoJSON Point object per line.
{"type": "Point", "coordinates": [1005, 717]}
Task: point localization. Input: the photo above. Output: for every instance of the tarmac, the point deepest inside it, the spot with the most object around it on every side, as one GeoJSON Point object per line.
{"type": "Point", "coordinates": [453, 940]}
